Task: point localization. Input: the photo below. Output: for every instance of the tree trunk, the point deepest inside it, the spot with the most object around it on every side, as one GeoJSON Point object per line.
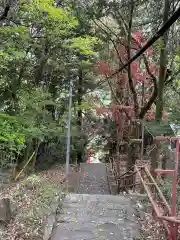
{"type": "Point", "coordinates": [28, 150]}
{"type": "Point", "coordinates": [37, 144]}
{"type": "Point", "coordinates": [161, 83]}
{"type": "Point", "coordinates": [163, 66]}
{"type": "Point", "coordinates": [134, 148]}
{"type": "Point", "coordinates": [38, 75]}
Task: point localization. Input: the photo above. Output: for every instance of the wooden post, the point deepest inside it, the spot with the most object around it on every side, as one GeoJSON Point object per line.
{"type": "Point", "coordinates": [154, 159]}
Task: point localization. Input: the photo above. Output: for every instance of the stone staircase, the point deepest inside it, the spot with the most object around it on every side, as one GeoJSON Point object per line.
{"type": "Point", "coordinates": [93, 179]}
{"type": "Point", "coordinates": [92, 213]}
{"type": "Point", "coordinates": [88, 217]}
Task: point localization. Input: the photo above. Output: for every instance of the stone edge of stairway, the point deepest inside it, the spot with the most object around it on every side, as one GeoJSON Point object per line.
{"type": "Point", "coordinates": [51, 218]}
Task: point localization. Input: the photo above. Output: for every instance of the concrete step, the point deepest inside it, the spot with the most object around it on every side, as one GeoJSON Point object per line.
{"type": "Point", "coordinates": [73, 181]}
{"type": "Point", "coordinates": [93, 179]}
{"type": "Point", "coordinates": [85, 216]}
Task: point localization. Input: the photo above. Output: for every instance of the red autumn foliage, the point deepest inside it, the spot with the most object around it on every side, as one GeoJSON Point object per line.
{"type": "Point", "coordinates": [103, 68]}
{"type": "Point", "coordinates": [150, 115]}
{"type": "Point", "coordinates": [122, 80]}
{"type": "Point", "coordinates": [101, 111]}
{"type": "Point", "coordinates": [134, 67]}
{"type": "Point", "coordinates": [122, 52]}
{"type": "Point", "coordinates": [164, 115]}
{"type": "Point", "coordinates": [138, 37]}
{"type": "Point", "coordinates": [149, 52]}
{"type": "Point", "coordinates": [139, 75]}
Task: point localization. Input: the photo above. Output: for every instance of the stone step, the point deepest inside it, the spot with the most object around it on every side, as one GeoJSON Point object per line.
{"type": "Point", "coordinates": [85, 216]}
{"type": "Point", "coordinates": [93, 179]}
{"type": "Point", "coordinates": [73, 181]}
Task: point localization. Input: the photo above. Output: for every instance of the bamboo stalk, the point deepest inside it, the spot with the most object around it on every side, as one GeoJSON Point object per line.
{"type": "Point", "coordinates": [22, 170]}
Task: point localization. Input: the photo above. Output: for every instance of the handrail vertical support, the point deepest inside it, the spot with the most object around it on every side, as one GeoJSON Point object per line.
{"type": "Point", "coordinates": [174, 190]}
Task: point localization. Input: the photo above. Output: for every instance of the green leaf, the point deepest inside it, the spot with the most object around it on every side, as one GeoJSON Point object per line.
{"type": "Point", "coordinates": [84, 44]}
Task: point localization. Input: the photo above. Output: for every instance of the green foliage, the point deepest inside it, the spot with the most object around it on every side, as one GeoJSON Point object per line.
{"type": "Point", "coordinates": [34, 116]}
{"type": "Point", "coordinates": [84, 106]}
{"type": "Point", "coordinates": [172, 98]}
{"type": "Point", "coordinates": [12, 139]}
{"type": "Point", "coordinates": [37, 53]}
{"type": "Point", "coordinates": [11, 132]}
{"type": "Point", "coordinates": [84, 44]}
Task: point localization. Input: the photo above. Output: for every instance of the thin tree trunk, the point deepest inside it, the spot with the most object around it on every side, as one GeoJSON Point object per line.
{"type": "Point", "coordinates": [28, 150]}
{"type": "Point", "coordinates": [161, 83]}
{"type": "Point", "coordinates": [35, 155]}
{"type": "Point", "coordinates": [163, 65]}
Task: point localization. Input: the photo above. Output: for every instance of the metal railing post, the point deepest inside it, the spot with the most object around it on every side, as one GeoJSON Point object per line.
{"type": "Point", "coordinates": [69, 129]}
{"type": "Point", "coordinates": [174, 190]}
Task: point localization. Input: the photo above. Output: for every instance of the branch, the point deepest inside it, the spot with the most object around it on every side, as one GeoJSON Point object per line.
{"type": "Point", "coordinates": [22, 69]}
{"type": "Point", "coordinates": [129, 69]}
{"type": "Point", "coordinates": [140, 24]}
{"type": "Point", "coordinates": [110, 30]}
{"type": "Point", "coordinates": [153, 97]}
{"type": "Point", "coordinates": [114, 44]}
{"type": "Point", "coordinates": [5, 13]}
{"type": "Point", "coordinates": [136, 107]}
{"type": "Point", "coordinates": [170, 82]}
{"type": "Point", "coordinates": [173, 87]}
{"type": "Point", "coordinates": [152, 40]}
{"type": "Point", "coordinates": [116, 98]}
{"type": "Point", "coordinates": [167, 82]}
{"type": "Point", "coordinates": [155, 92]}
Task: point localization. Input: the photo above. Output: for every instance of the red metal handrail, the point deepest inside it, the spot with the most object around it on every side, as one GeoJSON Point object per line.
{"type": "Point", "coordinates": [155, 206]}
{"type": "Point", "coordinates": [170, 222]}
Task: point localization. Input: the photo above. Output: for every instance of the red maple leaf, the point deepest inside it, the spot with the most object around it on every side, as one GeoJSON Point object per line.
{"type": "Point", "coordinates": [134, 67]}
{"type": "Point", "coordinates": [164, 115]}
{"type": "Point", "coordinates": [138, 37]}
{"type": "Point", "coordinates": [122, 51]}
{"type": "Point", "coordinates": [151, 69]}
{"type": "Point", "coordinates": [138, 77]}
{"type": "Point", "coordinates": [149, 52]}
{"type": "Point", "coordinates": [103, 67]}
